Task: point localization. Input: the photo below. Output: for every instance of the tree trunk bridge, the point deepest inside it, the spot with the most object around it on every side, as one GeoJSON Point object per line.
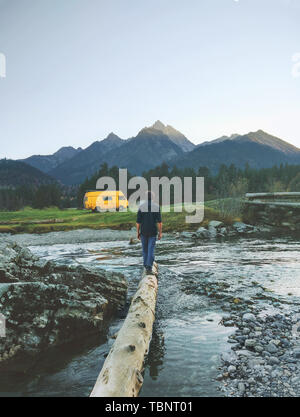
{"type": "Point", "coordinates": [121, 374]}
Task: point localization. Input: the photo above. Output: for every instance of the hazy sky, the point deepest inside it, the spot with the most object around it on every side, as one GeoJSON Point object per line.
{"type": "Point", "coordinates": [79, 69]}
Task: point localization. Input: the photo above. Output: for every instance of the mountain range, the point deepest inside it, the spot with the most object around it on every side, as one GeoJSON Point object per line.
{"type": "Point", "coordinates": [258, 149]}
{"type": "Point", "coordinates": [19, 174]}
{"type": "Point", "coordinates": [46, 163]}
{"type": "Point", "coordinates": [159, 143]}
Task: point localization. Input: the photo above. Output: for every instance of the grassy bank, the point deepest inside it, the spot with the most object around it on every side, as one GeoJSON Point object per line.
{"type": "Point", "coordinates": [52, 219]}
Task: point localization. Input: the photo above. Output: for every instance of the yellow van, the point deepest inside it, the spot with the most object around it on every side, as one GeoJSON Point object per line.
{"type": "Point", "coordinates": [104, 200]}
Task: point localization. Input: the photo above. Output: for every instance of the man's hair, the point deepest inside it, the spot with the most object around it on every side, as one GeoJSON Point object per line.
{"type": "Point", "coordinates": [150, 195]}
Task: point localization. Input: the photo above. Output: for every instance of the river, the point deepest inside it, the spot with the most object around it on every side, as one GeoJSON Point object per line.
{"type": "Point", "coordinates": [188, 337]}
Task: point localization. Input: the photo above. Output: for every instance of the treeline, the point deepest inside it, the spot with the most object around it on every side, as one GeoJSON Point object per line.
{"type": "Point", "coordinates": [281, 178]}
{"type": "Point", "coordinates": [46, 195]}
{"type": "Point", "coordinates": [229, 182]}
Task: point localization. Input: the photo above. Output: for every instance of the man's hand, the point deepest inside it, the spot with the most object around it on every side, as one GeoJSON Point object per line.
{"type": "Point", "coordinates": [159, 236]}
{"type": "Point", "coordinates": [138, 236]}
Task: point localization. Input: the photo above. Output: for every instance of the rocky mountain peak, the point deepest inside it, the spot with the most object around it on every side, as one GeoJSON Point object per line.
{"type": "Point", "coordinates": [158, 125]}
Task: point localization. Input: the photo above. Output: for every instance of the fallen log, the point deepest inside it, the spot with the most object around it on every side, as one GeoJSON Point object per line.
{"type": "Point", "coordinates": [121, 375]}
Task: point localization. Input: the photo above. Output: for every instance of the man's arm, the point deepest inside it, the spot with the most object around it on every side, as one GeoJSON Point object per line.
{"type": "Point", "coordinates": [138, 230]}
{"type": "Point", "coordinates": [159, 224]}
{"type": "Point", "coordinates": [159, 230]}
{"type": "Point", "coordinates": [138, 224]}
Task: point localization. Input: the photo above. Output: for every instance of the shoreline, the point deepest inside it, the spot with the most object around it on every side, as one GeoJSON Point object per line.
{"type": "Point", "coordinates": [215, 231]}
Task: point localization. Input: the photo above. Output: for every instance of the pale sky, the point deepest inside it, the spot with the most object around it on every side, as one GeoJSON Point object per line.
{"type": "Point", "coordinates": [78, 69]}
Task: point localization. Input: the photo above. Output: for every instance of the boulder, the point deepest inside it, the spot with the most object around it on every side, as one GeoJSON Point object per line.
{"type": "Point", "coordinates": [202, 233]}
{"type": "Point", "coordinates": [215, 223]}
{"type": "Point", "coordinates": [47, 305]}
{"type": "Point", "coordinates": [223, 231]}
{"type": "Point", "coordinates": [214, 227]}
{"type": "Point", "coordinates": [241, 227]}
{"type": "Point", "coordinates": [212, 231]}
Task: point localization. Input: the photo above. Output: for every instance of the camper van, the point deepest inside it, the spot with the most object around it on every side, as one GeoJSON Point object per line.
{"type": "Point", "coordinates": [104, 200]}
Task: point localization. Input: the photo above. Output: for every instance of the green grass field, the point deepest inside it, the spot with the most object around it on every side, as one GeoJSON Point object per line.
{"type": "Point", "coordinates": [53, 219]}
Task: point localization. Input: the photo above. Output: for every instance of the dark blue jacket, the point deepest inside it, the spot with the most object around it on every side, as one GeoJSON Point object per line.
{"type": "Point", "coordinates": [148, 216]}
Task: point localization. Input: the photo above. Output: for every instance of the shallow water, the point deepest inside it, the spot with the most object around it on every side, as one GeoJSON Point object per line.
{"type": "Point", "coordinates": [188, 337]}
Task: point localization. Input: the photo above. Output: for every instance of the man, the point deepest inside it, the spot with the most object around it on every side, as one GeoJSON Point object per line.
{"type": "Point", "coordinates": [148, 217]}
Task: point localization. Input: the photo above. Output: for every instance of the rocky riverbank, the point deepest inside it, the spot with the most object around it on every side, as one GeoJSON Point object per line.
{"type": "Point", "coordinates": [284, 215]}
{"type": "Point", "coordinates": [217, 229]}
{"type": "Point", "coordinates": [46, 305]}
{"type": "Point", "coordinates": [264, 359]}
{"type": "Point", "coordinates": [265, 354]}
{"type": "Point", "coordinates": [69, 237]}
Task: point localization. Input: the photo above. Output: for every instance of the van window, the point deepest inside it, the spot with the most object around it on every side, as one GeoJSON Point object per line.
{"type": "Point", "coordinates": [107, 198]}
{"type": "Point", "coordinates": [121, 197]}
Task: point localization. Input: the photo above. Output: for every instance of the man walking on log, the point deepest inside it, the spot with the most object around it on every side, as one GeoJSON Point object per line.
{"type": "Point", "coordinates": [148, 218]}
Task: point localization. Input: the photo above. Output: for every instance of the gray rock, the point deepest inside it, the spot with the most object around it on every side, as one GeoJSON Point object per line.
{"type": "Point", "coordinates": [241, 388]}
{"type": "Point", "coordinates": [250, 343]}
{"type": "Point", "coordinates": [271, 348]}
{"type": "Point", "coordinates": [231, 369]}
{"type": "Point", "coordinates": [273, 360]}
{"type": "Point", "coordinates": [248, 317]}
{"type": "Point", "coordinates": [53, 305]}
{"type": "Point", "coordinates": [215, 224]}
{"type": "Point", "coordinates": [244, 353]}
{"type": "Point", "coordinates": [242, 227]}
{"type": "Point", "coordinates": [223, 231]}
{"type": "Point", "coordinates": [258, 348]}
{"type": "Point", "coordinates": [212, 232]}
{"type": "Point", "coordinates": [229, 357]}
{"type": "Point", "coordinates": [202, 233]}
{"type": "Point", "coordinates": [229, 323]}
{"type": "Point", "coordinates": [297, 353]}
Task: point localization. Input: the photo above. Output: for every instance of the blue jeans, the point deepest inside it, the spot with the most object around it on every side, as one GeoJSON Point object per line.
{"type": "Point", "coordinates": [148, 244]}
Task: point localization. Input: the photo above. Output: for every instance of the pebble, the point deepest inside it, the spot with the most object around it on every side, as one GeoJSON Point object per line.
{"type": "Point", "coordinates": [248, 317]}
{"type": "Point", "coordinates": [297, 353]}
{"type": "Point", "coordinates": [241, 388]}
{"type": "Point", "coordinates": [273, 360]}
{"type": "Point", "coordinates": [265, 364]}
{"type": "Point", "coordinates": [258, 348]}
{"type": "Point", "coordinates": [231, 369]}
{"type": "Point", "coordinates": [250, 343]}
{"type": "Point", "coordinates": [271, 348]}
